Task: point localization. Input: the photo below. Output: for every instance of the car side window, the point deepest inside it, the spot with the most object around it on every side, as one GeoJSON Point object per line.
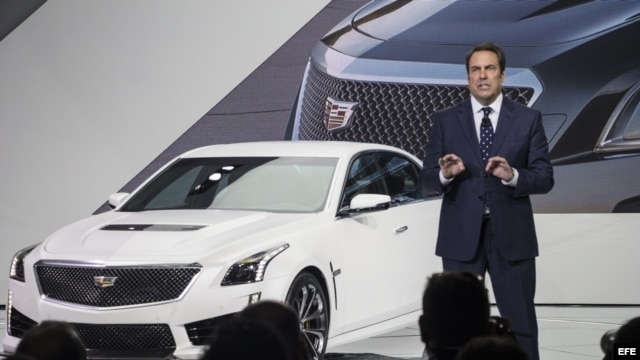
{"type": "Point", "coordinates": [363, 177]}
{"type": "Point", "coordinates": [402, 178]}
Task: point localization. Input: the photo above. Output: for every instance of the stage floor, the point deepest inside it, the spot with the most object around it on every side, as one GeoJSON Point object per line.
{"type": "Point", "coordinates": [566, 333]}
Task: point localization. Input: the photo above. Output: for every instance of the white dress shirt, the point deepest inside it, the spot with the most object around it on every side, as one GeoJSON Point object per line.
{"type": "Point", "coordinates": [477, 117]}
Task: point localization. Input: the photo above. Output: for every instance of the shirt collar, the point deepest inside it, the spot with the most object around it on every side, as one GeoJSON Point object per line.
{"type": "Point", "coordinates": [496, 105]}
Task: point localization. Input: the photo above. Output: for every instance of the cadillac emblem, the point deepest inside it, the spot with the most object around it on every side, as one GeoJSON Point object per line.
{"type": "Point", "coordinates": [338, 113]}
{"type": "Point", "coordinates": [104, 281]}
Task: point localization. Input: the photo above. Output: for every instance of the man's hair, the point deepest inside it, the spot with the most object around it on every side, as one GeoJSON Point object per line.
{"type": "Point", "coordinates": [52, 340]}
{"type": "Point", "coordinates": [455, 309]}
{"type": "Point", "coordinates": [488, 46]}
{"type": "Point", "coordinates": [283, 318]}
{"type": "Point", "coordinates": [245, 339]}
{"type": "Point", "coordinates": [492, 347]}
{"type": "Point", "coordinates": [628, 333]}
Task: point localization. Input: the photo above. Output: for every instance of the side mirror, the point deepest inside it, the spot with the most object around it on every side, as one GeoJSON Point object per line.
{"type": "Point", "coordinates": [366, 202]}
{"type": "Point", "coordinates": [117, 199]}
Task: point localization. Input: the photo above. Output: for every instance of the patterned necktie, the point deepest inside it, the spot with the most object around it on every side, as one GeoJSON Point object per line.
{"type": "Point", "coordinates": [486, 134]}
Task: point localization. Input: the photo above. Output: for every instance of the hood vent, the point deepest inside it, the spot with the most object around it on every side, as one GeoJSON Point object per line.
{"type": "Point", "coordinates": [152, 227]}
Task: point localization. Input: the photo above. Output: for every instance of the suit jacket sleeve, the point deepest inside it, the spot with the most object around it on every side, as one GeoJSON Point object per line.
{"type": "Point", "coordinates": [537, 176]}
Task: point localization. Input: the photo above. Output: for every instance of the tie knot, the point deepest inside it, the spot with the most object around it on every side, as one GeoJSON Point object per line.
{"type": "Point", "coordinates": [486, 110]}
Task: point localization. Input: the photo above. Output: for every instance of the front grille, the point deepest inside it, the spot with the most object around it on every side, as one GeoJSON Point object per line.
{"type": "Point", "coordinates": [143, 340]}
{"type": "Point", "coordinates": [389, 113]}
{"type": "Point", "coordinates": [110, 341]}
{"type": "Point", "coordinates": [79, 285]}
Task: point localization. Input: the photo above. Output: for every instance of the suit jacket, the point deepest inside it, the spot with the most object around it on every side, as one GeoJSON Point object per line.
{"type": "Point", "coordinates": [520, 139]}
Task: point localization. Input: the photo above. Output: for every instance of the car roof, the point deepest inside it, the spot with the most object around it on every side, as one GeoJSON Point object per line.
{"type": "Point", "coordinates": [287, 148]}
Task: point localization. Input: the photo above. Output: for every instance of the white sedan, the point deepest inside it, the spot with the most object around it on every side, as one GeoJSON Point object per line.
{"type": "Point", "coordinates": [341, 231]}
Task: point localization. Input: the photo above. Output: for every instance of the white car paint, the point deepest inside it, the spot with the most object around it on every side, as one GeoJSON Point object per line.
{"type": "Point", "coordinates": [374, 264]}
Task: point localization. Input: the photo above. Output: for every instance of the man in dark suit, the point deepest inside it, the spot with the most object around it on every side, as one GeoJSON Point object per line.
{"type": "Point", "coordinates": [486, 177]}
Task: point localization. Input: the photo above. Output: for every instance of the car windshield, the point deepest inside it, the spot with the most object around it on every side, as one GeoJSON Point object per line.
{"type": "Point", "coordinates": [279, 184]}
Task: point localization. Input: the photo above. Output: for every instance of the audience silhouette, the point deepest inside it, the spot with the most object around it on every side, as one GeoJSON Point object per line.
{"type": "Point", "coordinates": [455, 325]}
{"type": "Point", "coordinates": [628, 334]}
{"type": "Point", "coordinates": [492, 348]}
{"type": "Point", "coordinates": [246, 339]}
{"type": "Point", "coordinates": [51, 340]}
{"type": "Point", "coordinates": [456, 309]}
{"type": "Point", "coordinates": [285, 319]}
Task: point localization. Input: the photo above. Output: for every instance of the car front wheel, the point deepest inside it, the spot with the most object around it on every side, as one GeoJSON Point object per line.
{"type": "Point", "coordinates": [308, 298]}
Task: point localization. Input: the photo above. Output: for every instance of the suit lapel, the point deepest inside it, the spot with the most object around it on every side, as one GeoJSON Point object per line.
{"type": "Point", "coordinates": [467, 124]}
{"type": "Point", "coordinates": [505, 122]}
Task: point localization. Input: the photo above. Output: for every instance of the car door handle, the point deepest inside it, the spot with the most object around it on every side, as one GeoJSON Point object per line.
{"type": "Point", "coordinates": [401, 229]}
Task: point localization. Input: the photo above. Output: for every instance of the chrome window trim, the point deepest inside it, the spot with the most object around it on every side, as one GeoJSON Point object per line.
{"type": "Point", "coordinates": [604, 144]}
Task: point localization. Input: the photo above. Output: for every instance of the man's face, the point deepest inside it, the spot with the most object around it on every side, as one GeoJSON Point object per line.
{"type": "Point", "coordinates": [485, 78]}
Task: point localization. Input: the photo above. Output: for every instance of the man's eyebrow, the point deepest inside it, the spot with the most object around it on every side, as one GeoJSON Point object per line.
{"type": "Point", "coordinates": [482, 66]}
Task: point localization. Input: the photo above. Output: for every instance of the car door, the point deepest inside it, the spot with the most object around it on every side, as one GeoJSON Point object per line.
{"type": "Point", "coordinates": [388, 254]}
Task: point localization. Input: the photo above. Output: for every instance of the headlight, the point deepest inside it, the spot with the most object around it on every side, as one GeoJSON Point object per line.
{"type": "Point", "coordinates": [251, 269]}
{"type": "Point", "coordinates": [17, 264]}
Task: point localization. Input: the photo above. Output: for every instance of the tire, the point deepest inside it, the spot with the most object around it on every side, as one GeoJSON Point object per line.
{"type": "Point", "coordinates": [307, 296]}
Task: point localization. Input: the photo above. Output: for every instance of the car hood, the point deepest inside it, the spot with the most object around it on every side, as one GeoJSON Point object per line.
{"type": "Point", "coordinates": [509, 23]}
{"type": "Point", "coordinates": [187, 234]}
{"type": "Point", "coordinates": [444, 31]}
